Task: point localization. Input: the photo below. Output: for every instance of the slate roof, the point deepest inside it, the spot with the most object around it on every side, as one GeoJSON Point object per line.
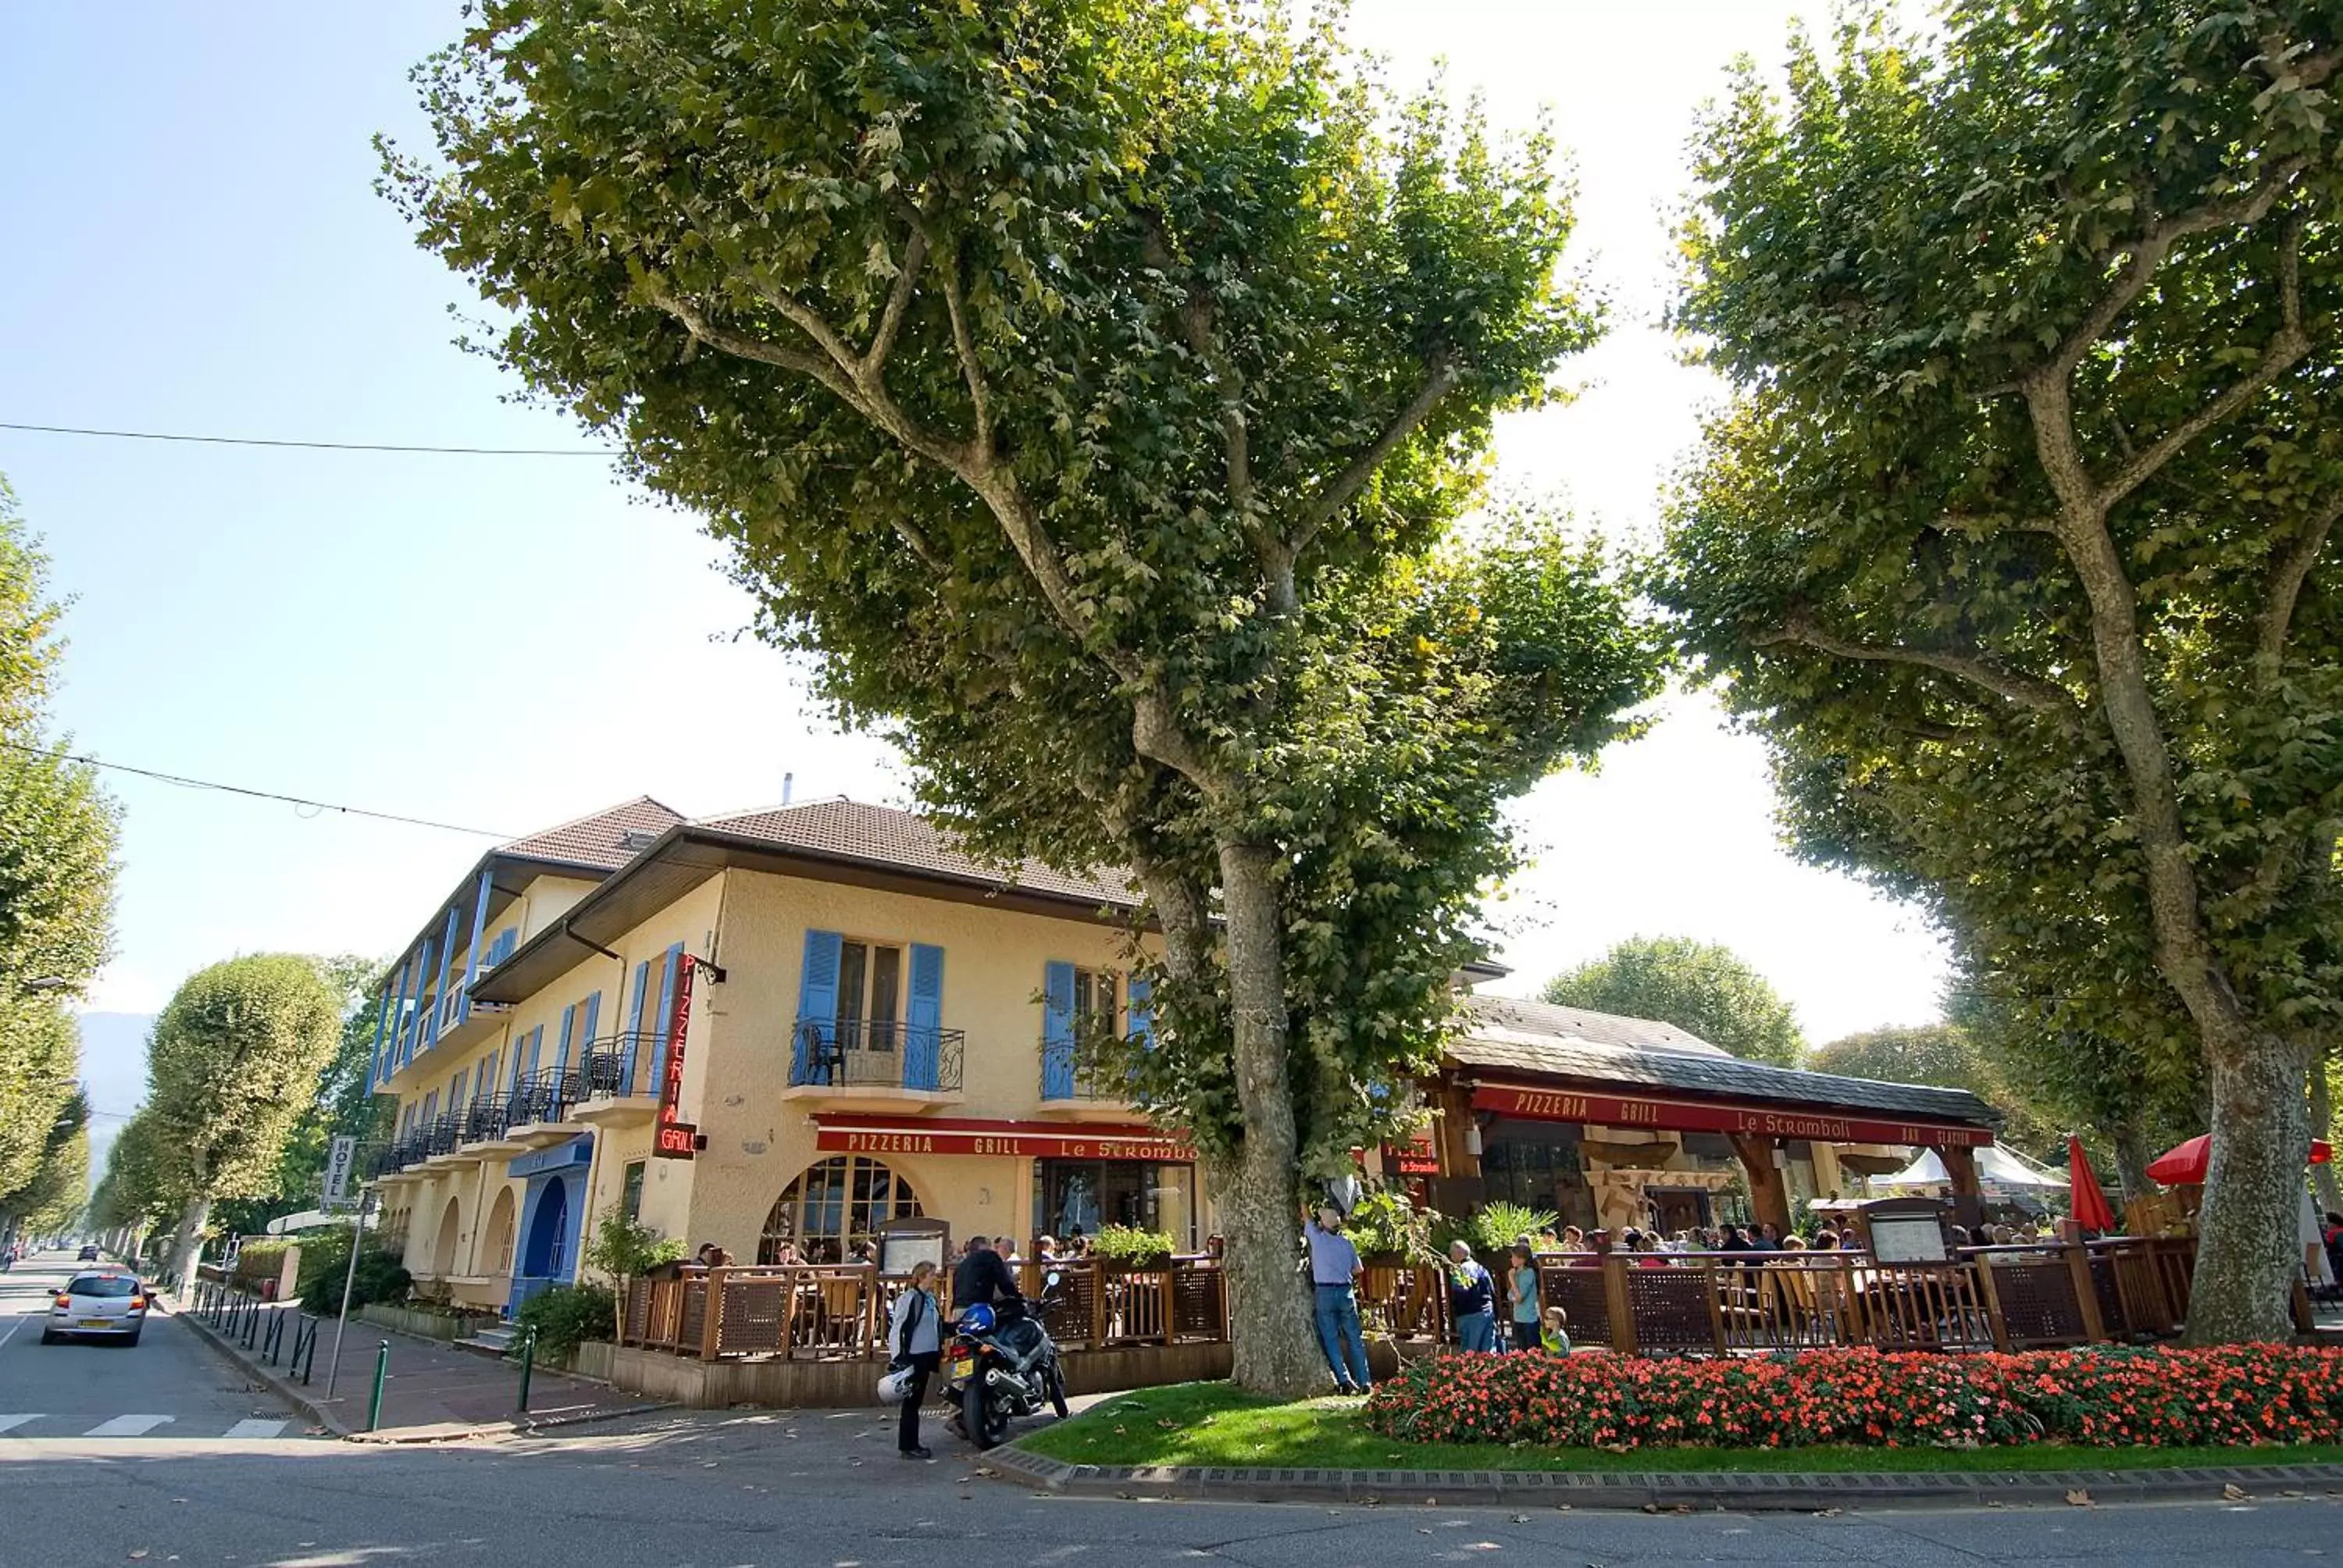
{"type": "Point", "coordinates": [904, 840]}
{"type": "Point", "coordinates": [1534, 1038]}
{"type": "Point", "coordinates": [606, 839]}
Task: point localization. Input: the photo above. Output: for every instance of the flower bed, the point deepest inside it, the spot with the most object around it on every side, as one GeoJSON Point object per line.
{"type": "Point", "coordinates": [2105, 1397]}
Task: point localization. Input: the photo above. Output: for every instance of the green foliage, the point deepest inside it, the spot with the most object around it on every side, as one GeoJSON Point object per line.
{"type": "Point", "coordinates": [1385, 1223]}
{"type": "Point", "coordinates": [262, 1260]}
{"type": "Point", "coordinates": [623, 1248]}
{"type": "Point", "coordinates": [2007, 541]}
{"type": "Point", "coordinates": [324, 1264]}
{"type": "Point", "coordinates": [1131, 1247]}
{"type": "Point", "coordinates": [1493, 1227]}
{"type": "Point", "coordinates": [59, 836]}
{"type": "Point", "coordinates": [566, 1316]}
{"type": "Point", "coordinates": [340, 1105]}
{"type": "Point", "coordinates": [234, 1061]}
{"type": "Point", "coordinates": [1949, 1056]}
{"type": "Point", "coordinates": [59, 1188]}
{"type": "Point", "coordinates": [1699, 987]}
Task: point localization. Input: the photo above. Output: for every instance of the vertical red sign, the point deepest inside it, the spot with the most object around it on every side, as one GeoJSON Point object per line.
{"type": "Point", "coordinates": [674, 1137]}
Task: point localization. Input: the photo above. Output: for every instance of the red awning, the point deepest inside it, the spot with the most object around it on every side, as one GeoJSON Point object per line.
{"type": "Point", "coordinates": [1748, 1118]}
{"type": "Point", "coordinates": [843, 1134]}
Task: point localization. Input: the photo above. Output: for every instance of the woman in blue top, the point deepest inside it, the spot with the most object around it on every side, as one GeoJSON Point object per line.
{"type": "Point", "coordinates": [1521, 1290]}
{"type": "Point", "coordinates": [1472, 1301]}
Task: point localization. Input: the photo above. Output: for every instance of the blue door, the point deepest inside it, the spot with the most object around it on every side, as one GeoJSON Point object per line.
{"type": "Point", "coordinates": [542, 1252]}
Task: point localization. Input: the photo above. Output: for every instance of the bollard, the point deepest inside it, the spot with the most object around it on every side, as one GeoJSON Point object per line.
{"type": "Point", "coordinates": [381, 1375]}
{"type": "Point", "coordinates": [528, 1366]}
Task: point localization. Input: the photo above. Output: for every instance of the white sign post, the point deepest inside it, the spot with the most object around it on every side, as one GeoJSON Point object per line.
{"type": "Point", "coordinates": [337, 1172]}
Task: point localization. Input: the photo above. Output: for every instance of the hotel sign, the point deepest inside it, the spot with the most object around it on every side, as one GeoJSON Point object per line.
{"type": "Point", "coordinates": [1749, 1121]}
{"type": "Point", "coordinates": [673, 1137]}
{"type": "Point", "coordinates": [1010, 1140]}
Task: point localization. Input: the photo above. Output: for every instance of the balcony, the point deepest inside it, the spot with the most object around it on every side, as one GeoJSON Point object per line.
{"type": "Point", "coordinates": [486, 1133]}
{"type": "Point", "coordinates": [857, 1065]}
{"type": "Point", "coordinates": [543, 1109]}
{"type": "Point", "coordinates": [1075, 1091]}
{"type": "Point", "coordinates": [613, 1084]}
{"type": "Point", "coordinates": [443, 1142]}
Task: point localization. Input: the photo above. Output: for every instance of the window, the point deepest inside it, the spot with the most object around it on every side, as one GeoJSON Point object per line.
{"type": "Point", "coordinates": [630, 1191]}
{"type": "Point", "coordinates": [870, 995]}
{"type": "Point", "coordinates": [1095, 1005]}
{"type": "Point", "coordinates": [834, 1204]}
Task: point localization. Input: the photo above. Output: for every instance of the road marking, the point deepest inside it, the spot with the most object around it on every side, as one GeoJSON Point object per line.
{"type": "Point", "coordinates": [21, 1319]}
{"type": "Point", "coordinates": [11, 1422]}
{"type": "Point", "coordinates": [128, 1426]}
{"type": "Point", "coordinates": [255, 1429]}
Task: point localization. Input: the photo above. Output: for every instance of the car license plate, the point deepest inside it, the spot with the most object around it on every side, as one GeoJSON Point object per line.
{"type": "Point", "coordinates": [962, 1369]}
{"type": "Point", "coordinates": [98, 1322]}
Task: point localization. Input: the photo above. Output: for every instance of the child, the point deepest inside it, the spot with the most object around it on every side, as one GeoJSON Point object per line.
{"type": "Point", "coordinates": [1556, 1338]}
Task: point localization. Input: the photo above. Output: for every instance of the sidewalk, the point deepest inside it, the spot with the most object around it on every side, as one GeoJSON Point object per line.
{"type": "Point", "coordinates": [433, 1392]}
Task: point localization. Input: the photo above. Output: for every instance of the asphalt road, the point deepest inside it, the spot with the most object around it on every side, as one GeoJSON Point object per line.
{"type": "Point", "coordinates": [168, 1386]}
{"type": "Point", "coordinates": [825, 1491]}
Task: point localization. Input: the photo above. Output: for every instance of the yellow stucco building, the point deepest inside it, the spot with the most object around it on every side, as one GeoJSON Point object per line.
{"type": "Point", "coordinates": [872, 1025]}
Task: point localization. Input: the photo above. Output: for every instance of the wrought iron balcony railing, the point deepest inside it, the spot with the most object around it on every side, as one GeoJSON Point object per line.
{"type": "Point", "coordinates": [860, 1054]}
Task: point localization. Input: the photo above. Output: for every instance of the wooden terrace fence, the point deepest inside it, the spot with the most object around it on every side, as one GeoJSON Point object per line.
{"type": "Point", "coordinates": [1702, 1303]}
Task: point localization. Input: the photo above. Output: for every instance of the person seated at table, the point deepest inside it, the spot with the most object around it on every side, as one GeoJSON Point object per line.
{"type": "Point", "coordinates": [1574, 1239]}
{"type": "Point", "coordinates": [1826, 1240]}
{"type": "Point", "coordinates": [1794, 1243]}
{"type": "Point", "coordinates": [1647, 1251]}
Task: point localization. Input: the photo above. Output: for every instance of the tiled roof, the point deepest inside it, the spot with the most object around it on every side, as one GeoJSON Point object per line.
{"type": "Point", "coordinates": [1503, 1034]}
{"type": "Point", "coordinates": [608, 838]}
{"type": "Point", "coordinates": [881, 836]}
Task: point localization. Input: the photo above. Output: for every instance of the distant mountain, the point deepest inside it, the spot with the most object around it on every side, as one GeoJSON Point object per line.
{"type": "Point", "coordinates": [114, 1065]}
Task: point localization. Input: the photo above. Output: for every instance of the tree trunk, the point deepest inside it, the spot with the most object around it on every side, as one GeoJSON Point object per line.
{"type": "Point", "coordinates": [2246, 1255]}
{"type": "Point", "coordinates": [2129, 1137]}
{"type": "Point", "coordinates": [2322, 1127]}
{"type": "Point", "coordinates": [188, 1241]}
{"type": "Point", "coordinates": [1275, 1341]}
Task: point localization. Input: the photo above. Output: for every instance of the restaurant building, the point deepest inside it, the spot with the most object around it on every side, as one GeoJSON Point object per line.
{"type": "Point", "coordinates": [791, 1026]}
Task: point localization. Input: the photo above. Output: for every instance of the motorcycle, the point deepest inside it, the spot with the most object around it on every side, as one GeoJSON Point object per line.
{"type": "Point", "coordinates": [1002, 1366]}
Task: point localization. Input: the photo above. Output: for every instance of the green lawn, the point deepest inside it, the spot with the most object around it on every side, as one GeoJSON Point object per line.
{"type": "Point", "coordinates": [1212, 1423]}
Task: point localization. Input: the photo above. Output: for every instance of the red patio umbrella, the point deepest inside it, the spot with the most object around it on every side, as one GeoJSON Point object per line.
{"type": "Point", "coordinates": [2183, 1166]}
{"type": "Point", "coordinates": [2091, 1208]}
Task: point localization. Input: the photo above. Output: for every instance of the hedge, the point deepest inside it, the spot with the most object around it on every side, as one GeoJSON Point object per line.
{"type": "Point", "coordinates": [260, 1259]}
{"type": "Point", "coordinates": [2105, 1397]}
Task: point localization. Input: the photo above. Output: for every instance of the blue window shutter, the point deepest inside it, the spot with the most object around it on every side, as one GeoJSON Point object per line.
{"type": "Point", "coordinates": [585, 1027]}
{"type": "Point", "coordinates": [1058, 1030]}
{"type": "Point", "coordinates": [923, 1043]}
{"type": "Point", "coordinates": [568, 1022]}
{"type": "Point", "coordinates": [1142, 1011]}
{"type": "Point", "coordinates": [634, 1031]}
{"type": "Point", "coordinates": [817, 1004]}
{"type": "Point", "coordinates": [666, 1015]}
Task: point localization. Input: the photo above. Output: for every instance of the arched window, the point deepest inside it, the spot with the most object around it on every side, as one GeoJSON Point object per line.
{"type": "Point", "coordinates": [833, 1204]}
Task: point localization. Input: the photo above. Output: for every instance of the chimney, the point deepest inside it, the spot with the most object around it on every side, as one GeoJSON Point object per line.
{"type": "Point", "coordinates": [788, 779]}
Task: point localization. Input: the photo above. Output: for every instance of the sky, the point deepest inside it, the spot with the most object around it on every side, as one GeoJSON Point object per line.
{"type": "Point", "coordinates": [501, 643]}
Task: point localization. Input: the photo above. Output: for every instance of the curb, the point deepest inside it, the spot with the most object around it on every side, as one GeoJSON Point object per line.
{"type": "Point", "coordinates": [284, 1388]}
{"type": "Point", "coordinates": [1652, 1491]}
{"type": "Point", "coordinates": [293, 1394]}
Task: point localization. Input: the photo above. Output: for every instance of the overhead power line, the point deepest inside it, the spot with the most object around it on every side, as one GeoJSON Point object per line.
{"type": "Point", "coordinates": [314, 806]}
{"type": "Point", "coordinates": [316, 446]}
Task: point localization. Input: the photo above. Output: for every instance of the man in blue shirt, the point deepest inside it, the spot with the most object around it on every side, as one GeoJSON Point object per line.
{"type": "Point", "coordinates": [1334, 1271]}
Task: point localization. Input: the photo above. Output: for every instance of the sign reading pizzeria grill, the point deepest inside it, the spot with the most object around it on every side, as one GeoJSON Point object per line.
{"type": "Point", "coordinates": [1746, 1120]}
{"type": "Point", "coordinates": [674, 1137]}
{"type": "Point", "coordinates": [877, 1135]}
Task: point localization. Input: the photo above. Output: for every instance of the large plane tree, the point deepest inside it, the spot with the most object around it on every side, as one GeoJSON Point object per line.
{"type": "Point", "coordinates": [1097, 385]}
{"type": "Point", "coordinates": [2015, 537]}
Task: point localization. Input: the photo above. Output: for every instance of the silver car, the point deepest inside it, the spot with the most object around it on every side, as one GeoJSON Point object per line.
{"type": "Point", "coordinates": [100, 1305]}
